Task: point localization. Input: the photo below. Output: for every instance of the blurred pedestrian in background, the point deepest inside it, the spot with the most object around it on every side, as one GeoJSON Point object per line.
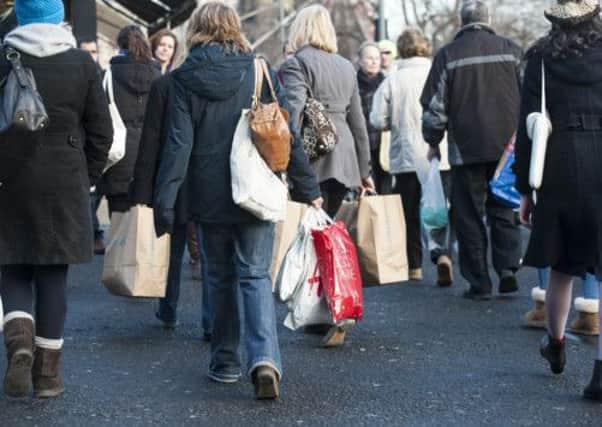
{"type": "Point", "coordinates": [388, 55]}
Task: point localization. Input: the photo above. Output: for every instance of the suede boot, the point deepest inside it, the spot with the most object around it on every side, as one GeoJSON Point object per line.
{"type": "Point", "coordinates": [266, 382]}
{"type": "Point", "coordinates": [586, 322]}
{"type": "Point", "coordinates": [536, 317]}
{"type": "Point", "coordinates": [594, 390]}
{"type": "Point", "coordinates": [47, 381]}
{"type": "Point", "coordinates": [19, 340]}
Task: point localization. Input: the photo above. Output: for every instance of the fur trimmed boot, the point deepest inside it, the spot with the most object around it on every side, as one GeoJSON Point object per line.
{"type": "Point", "coordinates": [536, 317]}
{"type": "Point", "coordinates": [47, 381]}
{"type": "Point", "coordinates": [586, 322]}
{"type": "Point", "coordinates": [18, 339]}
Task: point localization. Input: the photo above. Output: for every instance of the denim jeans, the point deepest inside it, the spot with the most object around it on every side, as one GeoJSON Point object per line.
{"type": "Point", "coordinates": [590, 284]}
{"type": "Point", "coordinates": [239, 258]}
{"type": "Point", "coordinates": [168, 306]}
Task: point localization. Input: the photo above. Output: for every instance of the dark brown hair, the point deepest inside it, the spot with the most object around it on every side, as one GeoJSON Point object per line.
{"type": "Point", "coordinates": [413, 43]}
{"type": "Point", "coordinates": [216, 22]}
{"type": "Point", "coordinates": [155, 41]}
{"type": "Point", "coordinates": [570, 41]}
{"type": "Point", "coordinates": [133, 39]}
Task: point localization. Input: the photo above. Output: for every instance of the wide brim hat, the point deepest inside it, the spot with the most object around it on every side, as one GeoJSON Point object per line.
{"type": "Point", "coordinates": [573, 12]}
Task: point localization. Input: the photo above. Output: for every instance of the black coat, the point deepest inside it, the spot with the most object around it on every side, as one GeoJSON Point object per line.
{"type": "Point", "coordinates": [132, 82]}
{"type": "Point", "coordinates": [473, 93]}
{"type": "Point", "coordinates": [46, 177]}
{"type": "Point", "coordinates": [209, 92]}
{"type": "Point", "coordinates": [367, 87]}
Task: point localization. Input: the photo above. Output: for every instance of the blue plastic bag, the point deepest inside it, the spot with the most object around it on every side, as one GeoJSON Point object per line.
{"type": "Point", "coordinates": [502, 186]}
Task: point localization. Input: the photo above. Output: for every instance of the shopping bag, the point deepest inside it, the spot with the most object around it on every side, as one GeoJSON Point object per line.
{"type": "Point", "coordinates": [384, 157]}
{"type": "Point", "coordinates": [502, 186]}
{"type": "Point", "coordinates": [339, 271]}
{"type": "Point", "coordinates": [377, 226]}
{"type": "Point", "coordinates": [255, 187]}
{"type": "Point", "coordinates": [136, 261]}
{"type": "Point", "coordinates": [284, 234]}
{"type": "Point", "coordinates": [117, 150]}
{"type": "Point", "coordinates": [433, 209]}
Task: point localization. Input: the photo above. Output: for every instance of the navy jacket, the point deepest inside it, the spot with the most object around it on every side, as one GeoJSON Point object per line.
{"type": "Point", "coordinates": [207, 94]}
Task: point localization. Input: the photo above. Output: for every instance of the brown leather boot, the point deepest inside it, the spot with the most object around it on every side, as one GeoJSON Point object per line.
{"type": "Point", "coordinates": [47, 381]}
{"type": "Point", "coordinates": [586, 322]}
{"type": "Point", "coordinates": [18, 338]}
{"type": "Point", "coordinates": [536, 317]}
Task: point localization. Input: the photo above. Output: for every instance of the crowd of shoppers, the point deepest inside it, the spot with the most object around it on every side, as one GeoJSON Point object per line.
{"type": "Point", "coordinates": [177, 162]}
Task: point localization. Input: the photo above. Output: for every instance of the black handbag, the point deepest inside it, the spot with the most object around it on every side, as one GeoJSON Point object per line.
{"type": "Point", "coordinates": [21, 106]}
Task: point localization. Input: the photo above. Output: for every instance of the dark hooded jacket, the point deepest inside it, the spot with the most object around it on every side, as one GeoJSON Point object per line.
{"type": "Point", "coordinates": [132, 80]}
{"type": "Point", "coordinates": [207, 95]}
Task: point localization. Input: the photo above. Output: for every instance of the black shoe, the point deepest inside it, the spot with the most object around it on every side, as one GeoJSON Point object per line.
{"type": "Point", "coordinates": [594, 390]}
{"type": "Point", "coordinates": [554, 352]}
{"type": "Point", "coordinates": [475, 295]}
{"type": "Point", "coordinates": [207, 336]}
{"type": "Point", "coordinates": [167, 323]}
{"type": "Point", "coordinates": [317, 329]}
{"type": "Point", "coordinates": [508, 284]}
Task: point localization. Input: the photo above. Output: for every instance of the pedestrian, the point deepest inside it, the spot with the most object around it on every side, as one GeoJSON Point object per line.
{"type": "Point", "coordinates": [388, 55]}
{"type": "Point", "coordinates": [96, 193]}
{"type": "Point", "coordinates": [133, 71]}
{"type": "Point", "coordinates": [214, 85]}
{"type": "Point", "coordinates": [316, 68]}
{"type": "Point", "coordinates": [566, 222]}
{"type": "Point", "coordinates": [369, 78]}
{"type": "Point", "coordinates": [480, 118]}
{"type": "Point", "coordinates": [587, 306]}
{"type": "Point", "coordinates": [164, 45]}
{"type": "Point", "coordinates": [44, 197]}
{"type": "Point", "coordinates": [397, 107]}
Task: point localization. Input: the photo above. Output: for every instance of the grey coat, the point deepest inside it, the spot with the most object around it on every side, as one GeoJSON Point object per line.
{"type": "Point", "coordinates": [333, 82]}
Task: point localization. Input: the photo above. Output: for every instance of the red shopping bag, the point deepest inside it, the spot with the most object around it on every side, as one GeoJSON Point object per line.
{"type": "Point", "coordinates": [339, 271]}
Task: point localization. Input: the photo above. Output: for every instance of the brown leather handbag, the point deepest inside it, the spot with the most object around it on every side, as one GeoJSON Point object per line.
{"type": "Point", "coordinates": [269, 123]}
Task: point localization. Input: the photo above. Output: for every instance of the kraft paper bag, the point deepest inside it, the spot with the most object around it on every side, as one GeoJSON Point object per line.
{"type": "Point", "coordinates": [377, 226]}
{"type": "Point", "coordinates": [136, 261]}
{"type": "Point", "coordinates": [284, 234]}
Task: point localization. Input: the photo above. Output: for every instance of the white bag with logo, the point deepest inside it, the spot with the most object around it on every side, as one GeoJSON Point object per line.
{"type": "Point", "coordinates": [255, 187]}
{"type": "Point", "coordinates": [539, 129]}
{"type": "Point", "coordinates": [117, 151]}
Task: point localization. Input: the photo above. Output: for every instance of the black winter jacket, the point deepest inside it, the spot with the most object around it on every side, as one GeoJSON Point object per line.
{"type": "Point", "coordinates": [473, 93]}
{"type": "Point", "coordinates": [45, 178]}
{"type": "Point", "coordinates": [367, 87]}
{"type": "Point", "coordinates": [132, 81]}
{"type": "Point", "coordinates": [210, 90]}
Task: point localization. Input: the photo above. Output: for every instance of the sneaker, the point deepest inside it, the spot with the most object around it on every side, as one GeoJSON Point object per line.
{"type": "Point", "coordinates": [554, 352]}
{"type": "Point", "coordinates": [167, 324]}
{"type": "Point", "coordinates": [99, 247]}
{"type": "Point", "coordinates": [224, 378]}
{"type": "Point", "coordinates": [444, 271]}
{"type": "Point", "coordinates": [336, 335]}
{"type": "Point", "coordinates": [267, 385]}
{"type": "Point", "coordinates": [415, 274]}
{"type": "Point", "coordinates": [508, 284]}
{"type": "Point", "coordinates": [475, 295]}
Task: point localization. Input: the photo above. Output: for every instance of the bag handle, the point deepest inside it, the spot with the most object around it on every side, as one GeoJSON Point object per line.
{"type": "Point", "coordinates": [262, 72]}
{"type": "Point", "coordinates": [14, 57]}
{"type": "Point", "coordinates": [543, 88]}
{"type": "Point", "coordinates": [107, 84]}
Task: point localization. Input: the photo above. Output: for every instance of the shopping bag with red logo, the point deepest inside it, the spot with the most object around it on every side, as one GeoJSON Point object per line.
{"type": "Point", "coordinates": [339, 271]}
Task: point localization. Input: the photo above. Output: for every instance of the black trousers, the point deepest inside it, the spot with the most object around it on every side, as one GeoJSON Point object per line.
{"type": "Point", "coordinates": [473, 210]}
{"type": "Point", "coordinates": [48, 284]}
{"type": "Point", "coordinates": [333, 193]}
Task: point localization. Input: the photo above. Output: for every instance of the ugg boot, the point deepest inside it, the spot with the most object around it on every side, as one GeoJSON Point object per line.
{"type": "Point", "coordinates": [536, 317]}
{"type": "Point", "coordinates": [47, 381]}
{"type": "Point", "coordinates": [594, 390]}
{"type": "Point", "coordinates": [586, 322]}
{"type": "Point", "coordinates": [18, 338]}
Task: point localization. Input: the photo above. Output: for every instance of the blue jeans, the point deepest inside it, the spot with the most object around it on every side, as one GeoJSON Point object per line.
{"type": "Point", "coordinates": [590, 284]}
{"type": "Point", "coordinates": [239, 258]}
{"type": "Point", "coordinates": [168, 306]}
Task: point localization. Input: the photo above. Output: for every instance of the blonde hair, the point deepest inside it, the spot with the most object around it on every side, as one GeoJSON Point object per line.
{"type": "Point", "coordinates": [216, 22]}
{"type": "Point", "coordinates": [413, 43]}
{"type": "Point", "coordinates": [313, 26]}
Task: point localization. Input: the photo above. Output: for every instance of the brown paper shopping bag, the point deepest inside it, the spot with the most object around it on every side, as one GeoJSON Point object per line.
{"type": "Point", "coordinates": [284, 235]}
{"type": "Point", "coordinates": [377, 226]}
{"type": "Point", "coordinates": [136, 261]}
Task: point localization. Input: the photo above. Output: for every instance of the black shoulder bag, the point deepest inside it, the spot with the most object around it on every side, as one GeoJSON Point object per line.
{"type": "Point", "coordinates": [21, 106]}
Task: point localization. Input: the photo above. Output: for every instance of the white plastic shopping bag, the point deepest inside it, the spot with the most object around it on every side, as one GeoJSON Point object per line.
{"type": "Point", "coordinates": [117, 151]}
{"type": "Point", "coordinates": [433, 210]}
{"type": "Point", "coordinates": [255, 187]}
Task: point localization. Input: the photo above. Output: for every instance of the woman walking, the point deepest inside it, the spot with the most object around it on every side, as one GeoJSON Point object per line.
{"type": "Point", "coordinates": [44, 197]}
{"type": "Point", "coordinates": [566, 220]}
{"type": "Point", "coordinates": [133, 71]}
{"type": "Point", "coordinates": [213, 86]}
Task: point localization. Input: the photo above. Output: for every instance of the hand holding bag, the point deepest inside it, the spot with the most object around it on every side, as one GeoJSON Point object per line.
{"type": "Point", "coordinates": [21, 105]}
{"type": "Point", "coordinates": [502, 186]}
{"type": "Point", "coordinates": [539, 129]}
{"type": "Point", "coordinates": [117, 151]}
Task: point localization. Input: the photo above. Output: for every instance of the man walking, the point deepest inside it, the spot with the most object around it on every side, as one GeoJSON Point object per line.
{"type": "Point", "coordinates": [472, 92]}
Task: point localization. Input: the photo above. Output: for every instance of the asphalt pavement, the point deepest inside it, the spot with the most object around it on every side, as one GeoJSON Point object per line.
{"type": "Point", "coordinates": [423, 356]}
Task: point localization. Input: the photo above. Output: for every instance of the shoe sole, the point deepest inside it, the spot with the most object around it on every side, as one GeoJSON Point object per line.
{"type": "Point", "coordinates": [336, 335]}
{"type": "Point", "coordinates": [48, 394]}
{"type": "Point", "coordinates": [534, 324]}
{"type": "Point", "coordinates": [17, 383]}
{"type": "Point", "coordinates": [444, 275]}
{"type": "Point", "coordinates": [266, 387]}
{"type": "Point", "coordinates": [223, 380]}
{"type": "Point", "coordinates": [584, 332]}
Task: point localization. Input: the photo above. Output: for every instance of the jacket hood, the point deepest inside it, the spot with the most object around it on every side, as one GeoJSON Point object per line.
{"type": "Point", "coordinates": [135, 75]}
{"type": "Point", "coordinates": [41, 40]}
{"type": "Point", "coordinates": [584, 70]}
{"type": "Point", "coordinates": [214, 71]}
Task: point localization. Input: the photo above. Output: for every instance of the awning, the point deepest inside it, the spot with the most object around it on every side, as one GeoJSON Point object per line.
{"type": "Point", "coordinates": [157, 14]}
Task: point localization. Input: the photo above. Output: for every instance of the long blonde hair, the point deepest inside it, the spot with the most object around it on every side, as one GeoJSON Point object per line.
{"type": "Point", "coordinates": [216, 22]}
{"type": "Point", "coordinates": [312, 26]}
